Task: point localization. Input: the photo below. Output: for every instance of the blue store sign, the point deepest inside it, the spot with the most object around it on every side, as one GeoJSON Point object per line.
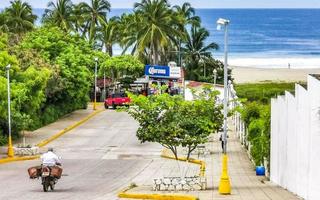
{"type": "Point", "coordinates": [157, 71]}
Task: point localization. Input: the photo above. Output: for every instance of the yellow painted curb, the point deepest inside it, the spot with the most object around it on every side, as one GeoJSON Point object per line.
{"type": "Point", "coordinates": [7, 160]}
{"type": "Point", "coordinates": [59, 134]}
{"type": "Point", "coordinates": [202, 164]}
{"type": "Point", "coordinates": [157, 196]}
{"type": "Point", "coordinates": [123, 194]}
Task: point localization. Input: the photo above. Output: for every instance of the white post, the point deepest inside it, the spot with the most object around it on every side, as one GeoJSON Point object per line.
{"type": "Point", "coordinates": [95, 84]}
{"type": "Point", "coordinates": [225, 103]}
{"type": "Point", "coordinates": [104, 85]}
{"type": "Point", "coordinates": [10, 147]}
{"type": "Point", "coordinates": [9, 101]}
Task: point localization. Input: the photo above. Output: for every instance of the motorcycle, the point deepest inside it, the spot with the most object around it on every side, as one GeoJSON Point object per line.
{"type": "Point", "coordinates": [50, 176]}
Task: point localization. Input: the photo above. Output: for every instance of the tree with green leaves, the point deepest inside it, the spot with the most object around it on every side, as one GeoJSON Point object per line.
{"type": "Point", "coordinates": [95, 15]}
{"type": "Point", "coordinates": [172, 122]}
{"type": "Point", "coordinates": [110, 34]}
{"type": "Point", "coordinates": [17, 19]}
{"type": "Point", "coordinates": [59, 14]}
{"type": "Point", "coordinates": [27, 90]}
{"type": "Point", "coordinates": [196, 52]}
{"type": "Point", "coordinates": [188, 15]}
{"type": "Point", "coordinates": [153, 27]}
{"type": "Point", "coordinates": [118, 67]}
{"type": "Point", "coordinates": [71, 60]}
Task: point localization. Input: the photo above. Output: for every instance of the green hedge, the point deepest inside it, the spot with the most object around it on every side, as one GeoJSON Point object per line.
{"type": "Point", "coordinates": [256, 113]}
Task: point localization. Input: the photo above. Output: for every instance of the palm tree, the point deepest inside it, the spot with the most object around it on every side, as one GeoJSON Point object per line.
{"type": "Point", "coordinates": [110, 34]}
{"type": "Point", "coordinates": [188, 13]}
{"type": "Point", "coordinates": [78, 21]}
{"type": "Point", "coordinates": [154, 26]}
{"type": "Point", "coordinates": [96, 16]}
{"type": "Point", "coordinates": [19, 17]}
{"type": "Point", "coordinates": [188, 17]}
{"type": "Point", "coordinates": [59, 14]}
{"type": "Point", "coordinates": [3, 22]}
{"type": "Point", "coordinates": [196, 52]}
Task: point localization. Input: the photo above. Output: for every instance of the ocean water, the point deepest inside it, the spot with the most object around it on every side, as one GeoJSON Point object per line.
{"type": "Point", "coordinates": [262, 37]}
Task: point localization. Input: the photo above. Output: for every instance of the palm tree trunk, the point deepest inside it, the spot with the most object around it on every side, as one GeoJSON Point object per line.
{"type": "Point", "coordinates": [109, 49]}
{"type": "Point", "coordinates": [155, 55]}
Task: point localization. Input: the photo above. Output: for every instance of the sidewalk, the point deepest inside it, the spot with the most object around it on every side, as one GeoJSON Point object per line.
{"type": "Point", "coordinates": [35, 137]}
{"type": "Point", "coordinates": [245, 184]}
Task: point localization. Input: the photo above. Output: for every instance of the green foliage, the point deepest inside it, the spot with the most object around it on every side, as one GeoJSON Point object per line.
{"type": "Point", "coordinates": [71, 63]}
{"type": "Point", "coordinates": [17, 18]}
{"type": "Point", "coordinates": [257, 119]}
{"type": "Point", "coordinates": [211, 65]}
{"type": "Point", "coordinates": [256, 114]}
{"type": "Point", "coordinates": [118, 66]}
{"type": "Point", "coordinates": [3, 139]}
{"type": "Point", "coordinates": [27, 92]}
{"type": "Point", "coordinates": [263, 92]}
{"type": "Point", "coordinates": [172, 121]}
{"type": "Point", "coordinates": [250, 112]}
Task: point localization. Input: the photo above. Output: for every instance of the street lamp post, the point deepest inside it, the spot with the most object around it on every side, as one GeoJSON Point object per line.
{"type": "Point", "coordinates": [95, 84]}
{"type": "Point", "coordinates": [104, 85]}
{"type": "Point", "coordinates": [225, 187]}
{"type": "Point", "coordinates": [10, 148]}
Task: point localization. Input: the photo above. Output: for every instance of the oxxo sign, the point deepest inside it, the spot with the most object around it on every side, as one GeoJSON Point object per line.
{"type": "Point", "coordinates": [162, 71]}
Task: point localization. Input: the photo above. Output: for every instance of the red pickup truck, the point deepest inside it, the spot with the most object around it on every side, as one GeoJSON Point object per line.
{"type": "Point", "coordinates": [117, 99]}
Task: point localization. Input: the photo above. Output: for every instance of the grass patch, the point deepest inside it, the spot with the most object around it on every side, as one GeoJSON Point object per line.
{"type": "Point", "coordinates": [263, 92]}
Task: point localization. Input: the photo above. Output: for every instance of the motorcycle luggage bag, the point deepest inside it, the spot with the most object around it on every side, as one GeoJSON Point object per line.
{"type": "Point", "coordinates": [56, 171]}
{"type": "Point", "coordinates": [34, 172]}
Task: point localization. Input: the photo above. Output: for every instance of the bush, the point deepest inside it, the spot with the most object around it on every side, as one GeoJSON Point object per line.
{"type": "Point", "coordinates": [3, 140]}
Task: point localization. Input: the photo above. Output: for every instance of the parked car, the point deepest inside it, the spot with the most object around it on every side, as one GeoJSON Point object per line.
{"type": "Point", "coordinates": [117, 99]}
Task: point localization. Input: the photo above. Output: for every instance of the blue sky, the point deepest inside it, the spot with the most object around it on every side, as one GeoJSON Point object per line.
{"type": "Point", "coordinates": [202, 3]}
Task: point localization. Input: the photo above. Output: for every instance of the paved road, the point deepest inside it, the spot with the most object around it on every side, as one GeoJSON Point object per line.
{"type": "Point", "coordinates": [99, 158]}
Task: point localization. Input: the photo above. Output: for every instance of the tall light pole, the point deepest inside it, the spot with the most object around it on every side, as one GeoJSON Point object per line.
{"type": "Point", "coordinates": [10, 148]}
{"type": "Point", "coordinates": [95, 83]}
{"type": "Point", "coordinates": [224, 186]}
{"type": "Point", "coordinates": [104, 86]}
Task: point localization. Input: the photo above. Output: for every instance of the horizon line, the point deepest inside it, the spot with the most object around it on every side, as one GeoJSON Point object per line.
{"type": "Point", "coordinates": [206, 8]}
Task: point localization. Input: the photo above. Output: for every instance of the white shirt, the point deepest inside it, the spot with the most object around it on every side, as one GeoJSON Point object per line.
{"type": "Point", "coordinates": [50, 159]}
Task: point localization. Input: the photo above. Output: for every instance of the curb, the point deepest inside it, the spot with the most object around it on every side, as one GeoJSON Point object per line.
{"type": "Point", "coordinates": [123, 194]}
{"type": "Point", "coordinates": [157, 196]}
{"type": "Point", "coordinates": [7, 160]}
{"type": "Point", "coordinates": [202, 164]}
{"type": "Point", "coordinates": [59, 134]}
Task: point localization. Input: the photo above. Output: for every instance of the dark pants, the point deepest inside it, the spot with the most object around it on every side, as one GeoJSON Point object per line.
{"type": "Point", "coordinates": [222, 144]}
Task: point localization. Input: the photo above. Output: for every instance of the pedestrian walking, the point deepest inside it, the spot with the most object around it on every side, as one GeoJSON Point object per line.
{"type": "Point", "coordinates": [222, 142]}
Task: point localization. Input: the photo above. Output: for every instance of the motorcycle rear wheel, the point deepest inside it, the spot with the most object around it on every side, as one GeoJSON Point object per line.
{"type": "Point", "coordinates": [52, 186]}
{"type": "Point", "coordinates": [45, 187]}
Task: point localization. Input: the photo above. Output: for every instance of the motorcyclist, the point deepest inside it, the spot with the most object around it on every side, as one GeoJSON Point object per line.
{"type": "Point", "coordinates": [50, 159]}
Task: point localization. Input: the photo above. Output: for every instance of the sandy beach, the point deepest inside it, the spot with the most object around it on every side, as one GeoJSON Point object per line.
{"type": "Point", "coordinates": [251, 75]}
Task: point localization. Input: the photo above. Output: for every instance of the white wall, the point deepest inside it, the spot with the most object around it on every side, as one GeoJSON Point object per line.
{"type": "Point", "coordinates": [295, 141]}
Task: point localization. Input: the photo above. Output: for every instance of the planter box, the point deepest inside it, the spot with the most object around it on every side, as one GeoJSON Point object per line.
{"type": "Point", "coordinates": [22, 151]}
